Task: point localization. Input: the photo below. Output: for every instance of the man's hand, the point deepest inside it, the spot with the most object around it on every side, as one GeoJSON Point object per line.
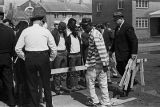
{"type": "Point", "coordinates": [105, 68]}
{"type": "Point", "coordinates": [110, 54]}
{"type": "Point", "coordinates": [134, 56]}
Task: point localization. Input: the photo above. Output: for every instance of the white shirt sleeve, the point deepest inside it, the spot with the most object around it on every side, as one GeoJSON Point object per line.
{"type": "Point", "coordinates": [52, 46]}
{"type": "Point", "coordinates": [20, 44]}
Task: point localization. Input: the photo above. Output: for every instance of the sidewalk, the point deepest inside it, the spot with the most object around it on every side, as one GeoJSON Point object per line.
{"type": "Point", "coordinates": [140, 45]}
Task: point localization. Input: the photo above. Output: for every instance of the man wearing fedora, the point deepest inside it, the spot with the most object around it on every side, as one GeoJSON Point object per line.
{"type": "Point", "coordinates": [125, 44]}
{"type": "Point", "coordinates": [96, 63]}
{"type": "Point", "coordinates": [37, 40]}
{"type": "Point", "coordinates": [6, 53]}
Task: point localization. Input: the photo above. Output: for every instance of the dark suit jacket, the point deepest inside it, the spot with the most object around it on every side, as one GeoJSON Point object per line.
{"type": "Point", "coordinates": [125, 42]}
{"type": "Point", "coordinates": [108, 38]}
{"type": "Point", "coordinates": [85, 44]}
{"type": "Point", "coordinates": [56, 36]}
{"type": "Point", "coordinates": [68, 43]}
{"type": "Point", "coordinates": [7, 40]}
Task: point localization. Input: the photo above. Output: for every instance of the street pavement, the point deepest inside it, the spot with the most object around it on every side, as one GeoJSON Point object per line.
{"type": "Point", "coordinates": [146, 96]}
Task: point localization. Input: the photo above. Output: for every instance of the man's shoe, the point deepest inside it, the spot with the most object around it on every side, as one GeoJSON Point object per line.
{"type": "Point", "coordinates": [60, 92]}
{"type": "Point", "coordinates": [92, 104]}
{"type": "Point", "coordinates": [135, 82]}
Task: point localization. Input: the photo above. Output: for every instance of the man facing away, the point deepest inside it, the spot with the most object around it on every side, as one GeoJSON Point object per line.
{"type": "Point", "coordinates": [37, 40]}
{"type": "Point", "coordinates": [96, 63]}
{"type": "Point", "coordinates": [6, 53]}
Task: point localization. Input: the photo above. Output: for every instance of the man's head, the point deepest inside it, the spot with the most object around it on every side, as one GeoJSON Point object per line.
{"type": "Point", "coordinates": [62, 27]}
{"type": "Point", "coordinates": [118, 17]}
{"type": "Point", "coordinates": [37, 19]}
{"type": "Point", "coordinates": [71, 24]}
{"type": "Point", "coordinates": [86, 24]}
{"type": "Point", "coordinates": [1, 15]}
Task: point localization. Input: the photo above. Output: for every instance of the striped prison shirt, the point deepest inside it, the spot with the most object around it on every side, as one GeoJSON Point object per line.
{"type": "Point", "coordinates": [97, 52]}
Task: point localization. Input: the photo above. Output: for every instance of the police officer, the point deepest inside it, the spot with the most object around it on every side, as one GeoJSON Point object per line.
{"type": "Point", "coordinates": [6, 52]}
{"type": "Point", "coordinates": [37, 41]}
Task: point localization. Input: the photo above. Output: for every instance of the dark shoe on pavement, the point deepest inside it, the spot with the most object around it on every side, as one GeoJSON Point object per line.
{"type": "Point", "coordinates": [135, 82]}
{"type": "Point", "coordinates": [92, 104]}
{"type": "Point", "coordinates": [60, 92]}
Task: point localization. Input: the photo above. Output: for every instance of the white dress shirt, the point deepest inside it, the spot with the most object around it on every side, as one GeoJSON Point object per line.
{"type": "Point", "coordinates": [75, 45]}
{"type": "Point", "coordinates": [61, 45]}
{"type": "Point", "coordinates": [36, 38]}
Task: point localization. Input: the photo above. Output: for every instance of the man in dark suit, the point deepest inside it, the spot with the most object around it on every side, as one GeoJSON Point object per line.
{"type": "Point", "coordinates": [125, 44]}
{"type": "Point", "coordinates": [6, 53]}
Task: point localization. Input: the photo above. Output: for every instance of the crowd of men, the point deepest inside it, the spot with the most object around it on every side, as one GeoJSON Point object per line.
{"type": "Point", "coordinates": [28, 56]}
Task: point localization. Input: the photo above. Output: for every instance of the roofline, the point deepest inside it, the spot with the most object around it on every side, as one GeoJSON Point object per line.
{"type": "Point", "coordinates": [69, 12]}
{"type": "Point", "coordinates": [41, 4]}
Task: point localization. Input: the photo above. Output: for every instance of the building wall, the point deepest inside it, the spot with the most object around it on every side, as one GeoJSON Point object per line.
{"type": "Point", "coordinates": [153, 6]}
{"type": "Point", "coordinates": [108, 8]}
{"type": "Point", "coordinates": [51, 17]}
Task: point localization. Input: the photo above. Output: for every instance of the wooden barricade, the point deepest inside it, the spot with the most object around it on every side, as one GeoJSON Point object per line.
{"type": "Point", "coordinates": [130, 72]}
{"type": "Point", "coordinates": [129, 75]}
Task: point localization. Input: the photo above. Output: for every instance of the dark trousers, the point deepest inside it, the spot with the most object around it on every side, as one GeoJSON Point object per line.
{"type": "Point", "coordinates": [59, 62]}
{"type": "Point", "coordinates": [121, 66]}
{"type": "Point", "coordinates": [22, 92]}
{"type": "Point", "coordinates": [72, 77]}
{"type": "Point", "coordinates": [6, 75]}
{"type": "Point", "coordinates": [121, 69]}
{"type": "Point", "coordinates": [34, 62]}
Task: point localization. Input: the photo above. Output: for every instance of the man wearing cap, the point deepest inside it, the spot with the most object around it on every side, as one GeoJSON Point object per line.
{"type": "Point", "coordinates": [37, 40]}
{"type": "Point", "coordinates": [6, 53]}
{"type": "Point", "coordinates": [125, 44]}
{"type": "Point", "coordinates": [96, 63]}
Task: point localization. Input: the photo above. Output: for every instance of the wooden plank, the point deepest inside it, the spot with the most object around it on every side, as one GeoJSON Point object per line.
{"type": "Point", "coordinates": [142, 73]}
{"type": "Point", "coordinates": [76, 68]}
{"type": "Point", "coordinates": [125, 73]}
{"type": "Point", "coordinates": [67, 69]}
{"type": "Point", "coordinates": [127, 80]}
{"type": "Point", "coordinates": [134, 72]}
{"type": "Point", "coordinates": [116, 101]}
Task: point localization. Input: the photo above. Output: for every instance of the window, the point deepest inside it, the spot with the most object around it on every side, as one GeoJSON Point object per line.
{"type": "Point", "coordinates": [142, 3]}
{"type": "Point", "coordinates": [99, 7]}
{"type": "Point", "coordinates": [55, 15]}
{"type": "Point", "coordinates": [64, 15]}
{"type": "Point", "coordinates": [120, 4]}
{"type": "Point", "coordinates": [141, 22]}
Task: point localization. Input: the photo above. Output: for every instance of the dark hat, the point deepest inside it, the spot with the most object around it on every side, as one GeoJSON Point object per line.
{"type": "Point", "coordinates": [85, 21]}
{"type": "Point", "coordinates": [1, 13]}
{"type": "Point", "coordinates": [117, 15]}
{"type": "Point", "coordinates": [37, 17]}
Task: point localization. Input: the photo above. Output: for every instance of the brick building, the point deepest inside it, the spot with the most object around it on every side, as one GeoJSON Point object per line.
{"type": "Point", "coordinates": [60, 11]}
{"type": "Point", "coordinates": [142, 14]}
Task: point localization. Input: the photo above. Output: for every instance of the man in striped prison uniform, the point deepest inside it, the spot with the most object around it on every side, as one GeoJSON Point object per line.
{"type": "Point", "coordinates": [96, 63]}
